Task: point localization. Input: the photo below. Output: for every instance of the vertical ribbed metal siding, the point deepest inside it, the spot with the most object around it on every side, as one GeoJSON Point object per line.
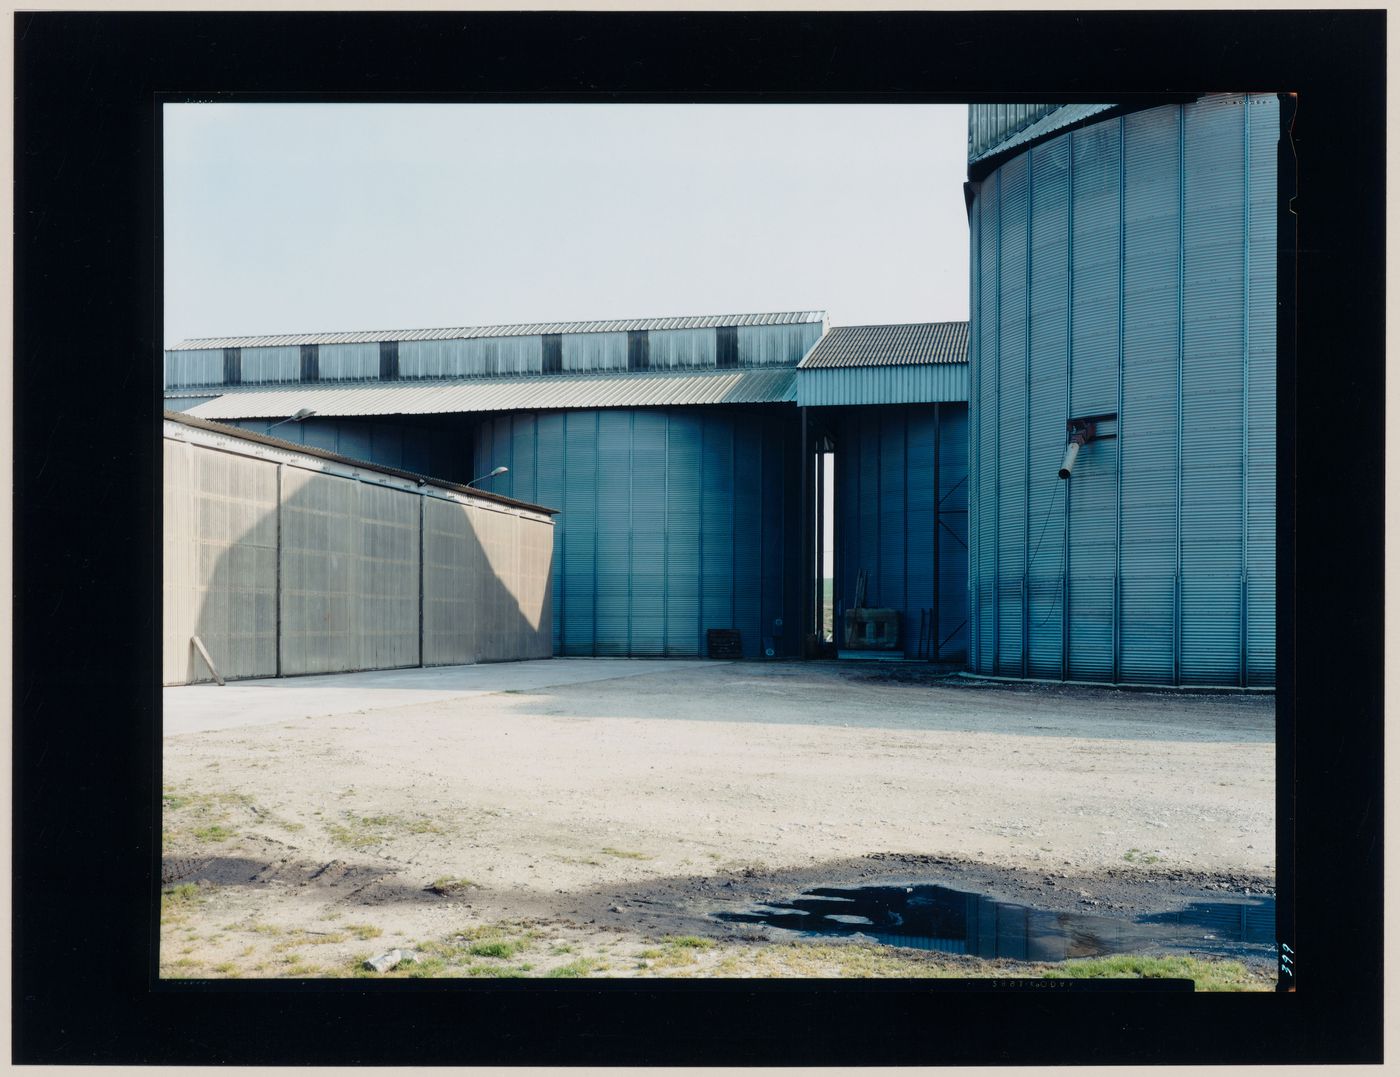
{"type": "Point", "coordinates": [594, 351]}
{"type": "Point", "coordinates": [1092, 491]}
{"type": "Point", "coordinates": [1049, 340]}
{"type": "Point", "coordinates": [550, 467]}
{"type": "Point", "coordinates": [477, 356]}
{"type": "Point", "coordinates": [220, 564]}
{"type": "Point", "coordinates": [1125, 245]}
{"type": "Point", "coordinates": [1262, 381]}
{"type": "Point", "coordinates": [891, 503]}
{"type": "Point", "coordinates": [674, 521]}
{"type": "Point", "coordinates": [952, 529]}
{"type": "Point", "coordinates": [762, 345]}
{"type": "Point", "coordinates": [581, 529]}
{"type": "Point", "coordinates": [923, 383]}
{"type": "Point", "coordinates": [614, 483]}
{"type": "Point", "coordinates": [1212, 386]}
{"type": "Point", "coordinates": [1011, 414]}
{"type": "Point", "coordinates": [674, 348]}
{"type": "Point", "coordinates": [984, 331]}
{"type": "Point", "coordinates": [382, 441]}
{"type": "Point", "coordinates": [1151, 216]}
{"type": "Point", "coordinates": [348, 362]}
{"type": "Point", "coordinates": [268, 365]}
{"type": "Point", "coordinates": [193, 367]}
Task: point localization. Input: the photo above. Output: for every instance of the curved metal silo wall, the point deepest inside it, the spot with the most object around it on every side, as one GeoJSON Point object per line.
{"type": "Point", "coordinates": [1128, 267]}
{"type": "Point", "coordinates": [901, 516]}
{"type": "Point", "coordinates": [673, 521]}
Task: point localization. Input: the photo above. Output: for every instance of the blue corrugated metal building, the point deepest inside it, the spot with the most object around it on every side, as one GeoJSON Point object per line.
{"type": "Point", "coordinates": [890, 401]}
{"type": "Point", "coordinates": [677, 450]}
{"type": "Point", "coordinates": [1124, 286]}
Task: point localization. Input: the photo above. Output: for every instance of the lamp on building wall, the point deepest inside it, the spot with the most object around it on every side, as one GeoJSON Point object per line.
{"type": "Point", "coordinates": [296, 416]}
{"type": "Point", "coordinates": [489, 475]}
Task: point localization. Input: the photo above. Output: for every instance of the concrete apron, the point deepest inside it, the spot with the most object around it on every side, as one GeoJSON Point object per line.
{"type": "Point", "coordinates": [199, 708]}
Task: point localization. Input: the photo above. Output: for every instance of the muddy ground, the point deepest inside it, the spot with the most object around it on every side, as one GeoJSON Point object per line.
{"type": "Point", "coordinates": [596, 828]}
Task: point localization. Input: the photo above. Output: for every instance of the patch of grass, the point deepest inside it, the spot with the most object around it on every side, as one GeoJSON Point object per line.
{"type": "Point", "coordinates": [503, 972]}
{"type": "Point", "coordinates": [177, 901]}
{"type": "Point", "coordinates": [580, 967]}
{"type": "Point", "coordinates": [692, 942]}
{"type": "Point", "coordinates": [217, 832]}
{"type": "Point", "coordinates": [449, 885]}
{"type": "Point", "coordinates": [367, 831]}
{"type": "Point", "coordinates": [500, 948]}
{"type": "Point", "coordinates": [364, 931]}
{"type": "Point", "coordinates": [849, 960]}
{"type": "Point", "coordinates": [424, 967]}
{"type": "Point", "coordinates": [1137, 856]}
{"type": "Point", "coordinates": [1207, 975]}
{"type": "Point", "coordinates": [562, 948]}
{"type": "Point", "coordinates": [265, 929]}
{"type": "Point", "coordinates": [185, 892]}
{"type": "Point", "coordinates": [650, 954]}
{"type": "Point", "coordinates": [225, 967]}
{"type": "Point", "coordinates": [625, 854]}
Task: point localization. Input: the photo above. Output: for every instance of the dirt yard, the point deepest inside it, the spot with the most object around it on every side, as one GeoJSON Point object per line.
{"type": "Point", "coordinates": [594, 827]}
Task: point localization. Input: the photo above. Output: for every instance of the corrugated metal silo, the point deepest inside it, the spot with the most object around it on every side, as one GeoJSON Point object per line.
{"type": "Point", "coordinates": [1128, 268]}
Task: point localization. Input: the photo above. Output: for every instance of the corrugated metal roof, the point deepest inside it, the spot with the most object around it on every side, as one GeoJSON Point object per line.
{"type": "Point", "coordinates": [198, 423]}
{"type": "Point", "coordinates": [619, 325]}
{"type": "Point", "coordinates": [1061, 117]}
{"type": "Point", "coordinates": [889, 345]}
{"type": "Point", "coordinates": [545, 393]}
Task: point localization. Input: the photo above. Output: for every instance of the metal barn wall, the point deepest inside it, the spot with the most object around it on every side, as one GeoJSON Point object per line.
{"type": "Point", "coordinates": [287, 568]}
{"type": "Point", "coordinates": [901, 515]}
{"type": "Point", "coordinates": [674, 521]}
{"type": "Point", "coordinates": [438, 453]}
{"type": "Point", "coordinates": [921, 383]}
{"type": "Point", "coordinates": [349, 558]}
{"type": "Point", "coordinates": [486, 585]}
{"type": "Point", "coordinates": [220, 564]}
{"type": "Point", "coordinates": [1128, 267]}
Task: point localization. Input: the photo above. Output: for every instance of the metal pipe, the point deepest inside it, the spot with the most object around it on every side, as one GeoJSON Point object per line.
{"type": "Point", "coordinates": [1071, 454]}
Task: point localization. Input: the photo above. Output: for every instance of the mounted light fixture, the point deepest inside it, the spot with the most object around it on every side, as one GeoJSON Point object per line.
{"type": "Point", "coordinates": [1080, 432]}
{"type": "Point", "coordinates": [489, 475]}
{"type": "Point", "coordinates": [296, 416]}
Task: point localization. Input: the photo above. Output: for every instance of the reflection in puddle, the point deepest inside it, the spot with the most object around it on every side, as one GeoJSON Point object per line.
{"type": "Point", "coordinates": [957, 922]}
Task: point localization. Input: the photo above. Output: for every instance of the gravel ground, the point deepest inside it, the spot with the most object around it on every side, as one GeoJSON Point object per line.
{"type": "Point", "coordinates": [584, 821]}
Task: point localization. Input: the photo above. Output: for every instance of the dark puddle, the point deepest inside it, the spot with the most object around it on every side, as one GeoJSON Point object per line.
{"type": "Point", "coordinates": [957, 922]}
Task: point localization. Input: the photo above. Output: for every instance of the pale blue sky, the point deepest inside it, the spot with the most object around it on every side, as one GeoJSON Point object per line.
{"type": "Point", "coordinates": [286, 218]}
